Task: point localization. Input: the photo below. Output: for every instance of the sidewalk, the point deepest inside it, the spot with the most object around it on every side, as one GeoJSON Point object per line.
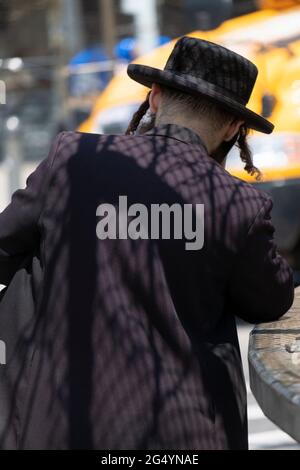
{"type": "Point", "coordinates": [4, 181]}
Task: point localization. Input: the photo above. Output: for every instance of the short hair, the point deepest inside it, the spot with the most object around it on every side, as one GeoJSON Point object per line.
{"type": "Point", "coordinates": [197, 106]}
{"type": "Point", "coordinates": [201, 106]}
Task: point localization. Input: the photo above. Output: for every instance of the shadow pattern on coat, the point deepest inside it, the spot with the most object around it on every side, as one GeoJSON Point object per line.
{"type": "Point", "coordinates": [130, 344]}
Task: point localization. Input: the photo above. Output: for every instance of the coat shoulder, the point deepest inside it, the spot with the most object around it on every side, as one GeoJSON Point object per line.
{"type": "Point", "coordinates": [248, 197]}
{"type": "Point", "coordinates": [227, 187]}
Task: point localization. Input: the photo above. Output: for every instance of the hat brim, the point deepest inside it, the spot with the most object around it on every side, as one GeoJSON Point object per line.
{"type": "Point", "coordinates": [146, 76]}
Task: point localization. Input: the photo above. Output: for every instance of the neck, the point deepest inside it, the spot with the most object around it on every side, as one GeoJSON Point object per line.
{"type": "Point", "coordinates": [209, 138]}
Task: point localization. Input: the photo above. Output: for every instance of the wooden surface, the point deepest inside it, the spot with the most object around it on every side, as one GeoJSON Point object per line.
{"type": "Point", "coordinates": [274, 367]}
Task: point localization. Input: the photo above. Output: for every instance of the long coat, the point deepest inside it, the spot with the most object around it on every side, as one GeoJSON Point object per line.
{"type": "Point", "coordinates": [122, 343]}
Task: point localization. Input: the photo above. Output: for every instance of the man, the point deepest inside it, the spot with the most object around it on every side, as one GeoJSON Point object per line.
{"type": "Point", "coordinates": [128, 341]}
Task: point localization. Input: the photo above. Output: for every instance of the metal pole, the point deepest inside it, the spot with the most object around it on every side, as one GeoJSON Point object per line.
{"type": "Point", "coordinates": [14, 155]}
{"type": "Point", "coordinates": [72, 26]}
{"type": "Point", "coordinates": [146, 26]}
{"type": "Point", "coordinates": [108, 25]}
{"type": "Point", "coordinates": [63, 21]}
{"type": "Point", "coordinates": [145, 19]}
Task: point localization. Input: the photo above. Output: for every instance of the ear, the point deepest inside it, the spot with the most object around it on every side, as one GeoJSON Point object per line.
{"type": "Point", "coordinates": [233, 129]}
{"type": "Point", "coordinates": [155, 98]}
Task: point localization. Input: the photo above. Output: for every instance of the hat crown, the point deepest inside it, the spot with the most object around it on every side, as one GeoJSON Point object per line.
{"type": "Point", "coordinates": [214, 64]}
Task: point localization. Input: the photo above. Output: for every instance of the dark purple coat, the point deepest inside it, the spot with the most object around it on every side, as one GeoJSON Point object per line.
{"type": "Point", "coordinates": [123, 344]}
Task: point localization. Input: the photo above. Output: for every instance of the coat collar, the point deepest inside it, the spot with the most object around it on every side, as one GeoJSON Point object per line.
{"type": "Point", "coordinates": [180, 133]}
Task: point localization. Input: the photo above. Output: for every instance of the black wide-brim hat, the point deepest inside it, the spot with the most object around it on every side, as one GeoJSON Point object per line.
{"type": "Point", "coordinates": [200, 67]}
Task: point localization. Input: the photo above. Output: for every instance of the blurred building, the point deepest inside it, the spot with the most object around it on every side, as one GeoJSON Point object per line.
{"type": "Point", "coordinates": [39, 27]}
{"type": "Point", "coordinates": [57, 55]}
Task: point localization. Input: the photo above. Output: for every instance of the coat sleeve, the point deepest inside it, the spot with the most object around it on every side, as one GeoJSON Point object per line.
{"type": "Point", "coordinates": [261, 286]}
{"type": "Point", "coordinates": [19, 232]}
